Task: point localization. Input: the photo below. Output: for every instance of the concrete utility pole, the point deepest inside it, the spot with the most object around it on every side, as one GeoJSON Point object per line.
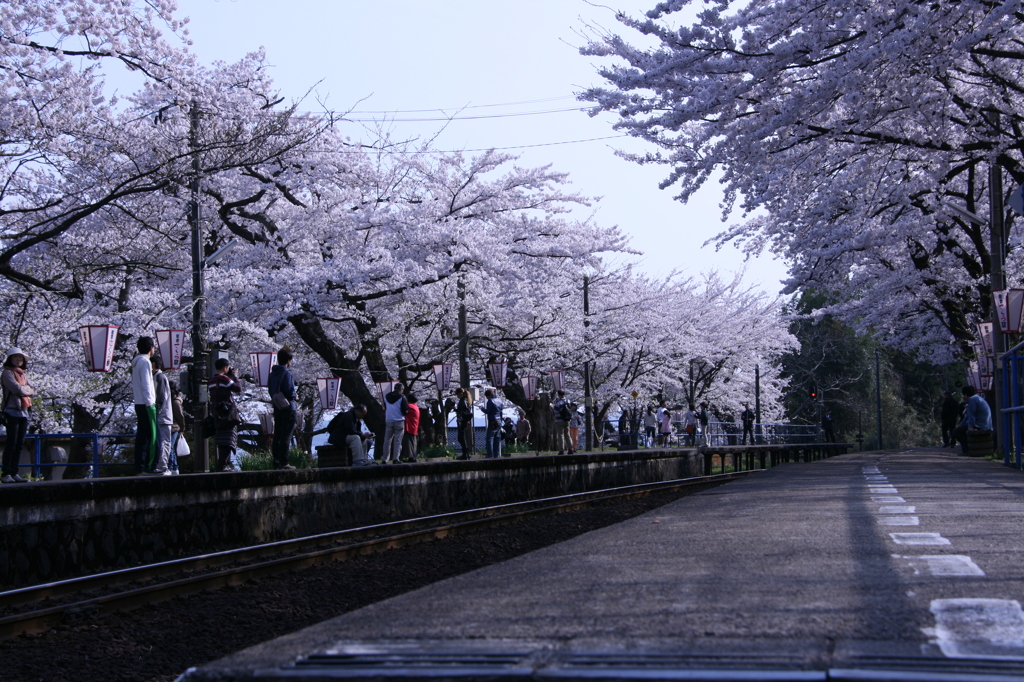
{"type": "Point", "coordinates": [998, 281]}
{"type": "Point", "coordinates": [757, 401]}
{"type": "Point", "coordinates": [588, 400]}
{"type": "Point", "coordinates": [460, 289]}
{"type": "Point", "coordinates": [878, 398]}
{"type": "Point", "coordinates": [201, 451]}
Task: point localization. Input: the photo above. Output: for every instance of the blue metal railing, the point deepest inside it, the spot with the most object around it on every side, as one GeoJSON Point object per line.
{"type": "Point", "coordinates": [38, 464]}
{"type": "Point", "coordinates": [1012, 370]}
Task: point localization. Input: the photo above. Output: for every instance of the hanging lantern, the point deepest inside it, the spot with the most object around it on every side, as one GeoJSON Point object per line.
{"type": "Point", "coordinates": [974, 375]}
{"type": "Point", "coordinates": [499, 370]}
{"type": "Point", "coordinates": [169, 343]}
{"type": "Point", "coordinates": [98, 341]}
{"type": "Point", "coordinates": [330, 389]}
{"type": "Point", "coordinates": [530, 386]}
{"type": "Point", "coordinates": [1009, 304]}
{"type": "Point", "coordinates": [984, 360]}
{"type": "Point", "coordinates": [985, 334]}
{"type": "Point", "coordinates": [443, 376]}
{"type": "Point", "coordinates": [558, 379]}
{"type": "Point", "coordinates": [385, 387]}
{"type": "Point", "coordinates": [262, 363]}
{"type": "Point", "coordinates": [986, 383]}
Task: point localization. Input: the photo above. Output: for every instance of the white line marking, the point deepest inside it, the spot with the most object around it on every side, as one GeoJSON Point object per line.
{"type": "Point", "coordinates": [898, 521]}
{"type": "Point", "coordinates": [888, 499]}
{"type": "Point", "coordinates": [896, 509]}
{"type": "Point", "coordinates": [949, 564]}
{"type": "Point", "coordinates": [979, 628]}
{"type": "Point", "coordinates": [918, 539]}
{"type": "Point", "coordinates": [879, 491]}
{"type": "Point", "coordinates": [880, 479]}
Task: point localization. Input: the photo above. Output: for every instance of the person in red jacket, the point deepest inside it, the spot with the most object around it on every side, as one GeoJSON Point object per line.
{"type": "Point", "coordinates": [411, 440]}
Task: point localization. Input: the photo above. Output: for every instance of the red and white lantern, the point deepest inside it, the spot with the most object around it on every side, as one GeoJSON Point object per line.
{"type": "Point", "coordinates": [987, 383]}
{"type": "Point", "coordinates": [499, 372]}
{"type": "Point", "coordinates": [443, 376]}
{"type": "Point", "coordinates": [985, 334]}
{"type": "Point", "coordinates": [1009, 304]}
{"type": "Point", "coordinates": [530, 386]}
{"type": "Point", "coordinates": [984, 360]}
{"type": "Point", "coordinates": [330, 390]}
{"type": "Point", "coordinates": [974, 375]}
{"type": "Point", "coordinates": [385, 387]}
{"type": "Point", "coordinates": [98, 341]}
{"type": "Point", "coordinates": [170, 343]}
{"type": "Point", "coordinates": [262, 363]}
{"type": "Point", "coordinates": [558, 379]}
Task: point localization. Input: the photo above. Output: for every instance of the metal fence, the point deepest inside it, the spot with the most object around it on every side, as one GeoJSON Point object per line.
{"type": "Point", "coordinates": [632, 434]}
{"type": "Point", "coordinates": [97, 441]}
{"type": "Point", "coordinates": [1012, 370]}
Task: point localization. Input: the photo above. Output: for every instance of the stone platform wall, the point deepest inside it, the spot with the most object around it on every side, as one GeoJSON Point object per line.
{"type": "Point", "coordinates": [55, 530]}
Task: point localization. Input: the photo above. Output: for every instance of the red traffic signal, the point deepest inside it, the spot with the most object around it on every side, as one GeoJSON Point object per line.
{"type": "Point", "coordinates": [814, 393]}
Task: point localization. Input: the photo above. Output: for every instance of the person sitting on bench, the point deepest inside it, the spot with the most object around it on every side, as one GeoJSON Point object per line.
{"type": "Point", "coordinates": [977, 417]}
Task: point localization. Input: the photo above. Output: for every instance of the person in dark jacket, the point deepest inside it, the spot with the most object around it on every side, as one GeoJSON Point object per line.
{"type": "Point", "coordinates": [223, 386]}
{"type": "Point", "coordinates": [347, 429]}
{"type": "Point", "coordinates": [281, 381]}
{"type": "Point", "coordinates": [464, 422]}
{"type": "Point", "coordinates": [950, 416]}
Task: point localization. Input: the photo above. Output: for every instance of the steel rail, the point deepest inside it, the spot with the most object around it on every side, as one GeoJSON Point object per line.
{"type": "Point", "coordinates": [381, 537]}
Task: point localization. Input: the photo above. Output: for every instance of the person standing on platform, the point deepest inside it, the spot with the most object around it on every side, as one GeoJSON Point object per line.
{"type": "Point", "coordinates": [666, 428]}
{"type": "Point", "coordinates": [747, 418]}
{"type": "Point", "coordinates": [395, 409]}
{"type": "Point", "coordinates": [575, 424]}
{"type": "Point", "coordinates": [690, 426]}
{"type": "Point", "coordinates": [492, 412]}
{"type": "Point", "coordinates": [178, 446]}
{"type": "Point", "coordinates": [562, 414]}
{"type": "Point", "coordinates": [144, 396]}
{"type": "Point", "coordinates": [223, 386]}
{"type": "Point", "coordinates": [164, 419]}
{"type": "Point", "coordinates": [508, 432]}
{"type": "Point", "coordinates": [523, 429]}
{"type": "Point", "coordinates": [704, 420]}
{"type": "Point", "coordinates": [827, 427]}
{"type": "Point", "coordinates": [464, 422]}
{"type": "Point", "coordinates": [651, 428]}
{"type": "Point", "coordinates": [950, 413]}
{"type": "Point", "coordinates": [282, 394]}
{"type": "Point", "coordinates": [411, 438]}
{"type": "Point", "coordinates": [17, 397]}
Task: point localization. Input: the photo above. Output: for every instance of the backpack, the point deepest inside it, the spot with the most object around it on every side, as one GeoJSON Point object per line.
{"type": "Point", "coordinates": [563, 413]}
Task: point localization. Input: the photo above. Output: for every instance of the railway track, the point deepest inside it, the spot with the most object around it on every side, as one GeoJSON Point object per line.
{"type": "Point", "coordinates": [130, 588]}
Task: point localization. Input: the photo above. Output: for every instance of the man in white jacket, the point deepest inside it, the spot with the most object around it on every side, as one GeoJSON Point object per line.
{"type": "Point", "coordinates": [144, 395]}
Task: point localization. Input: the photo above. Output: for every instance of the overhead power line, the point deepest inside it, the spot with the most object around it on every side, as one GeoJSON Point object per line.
{"type": "Point", "coordinates": [460, 118]}
{"type": "Point", "coordinates": [473, 106]}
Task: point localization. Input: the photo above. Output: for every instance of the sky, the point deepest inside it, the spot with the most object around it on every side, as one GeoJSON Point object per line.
{"type": "Point", "coordinates": [502, 62]}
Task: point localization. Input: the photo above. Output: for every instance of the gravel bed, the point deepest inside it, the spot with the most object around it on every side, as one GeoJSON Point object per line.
{"type": "Point", "coordinates": [159, 642]}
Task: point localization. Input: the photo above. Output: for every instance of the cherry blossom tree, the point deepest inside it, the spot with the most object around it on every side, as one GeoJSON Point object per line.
{"type": "Point", "coordinates": [845, 131]}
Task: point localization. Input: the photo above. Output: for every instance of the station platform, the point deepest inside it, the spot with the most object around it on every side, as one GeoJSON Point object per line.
{"type": "Point", "coordinates": [882, 566]}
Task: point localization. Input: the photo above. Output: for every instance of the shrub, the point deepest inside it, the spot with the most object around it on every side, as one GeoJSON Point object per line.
{"type": "Point", "coordinates": [437, 450]}
{"type": "Point", "coordinates": [262, 460]}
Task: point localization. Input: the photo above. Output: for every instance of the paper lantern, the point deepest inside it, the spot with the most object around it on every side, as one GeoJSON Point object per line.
{"type": "Point", "coordinates": [1009, 304]}
{"type": "Point", "coordinates": [985, 334]}
{"type": "Point", "coordinates": [498, 370]}
{"type": "Point", "coordinates": [984, 360]}
{"type": "Point", "coordinates": [987, 383]}
{"type": "Point", "coordinates": [443, 376]}
{"type": "Point", "coordinates": [974, 375]}
{"type": "Point", "coordinates": [558, 379]}
{"type": "Point", "coordinates": [98, 341]}
{"type": "Point", "coordinates": [169, 343]}
{"type": "Point", "coordinates": [330, 389]}
{"type": "Point", "coordinates": [385, 387]}
{"type": "Point", "coordinates": [262, 363]}
{"type": "Point", "coordinates": [530, 386]}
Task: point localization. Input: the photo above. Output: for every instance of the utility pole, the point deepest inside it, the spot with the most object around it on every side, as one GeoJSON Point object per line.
{"type": "Point", "coordinates": [198, 373]}
{"type": "Point", "coordinates": [460, 289]}
{"type": "Point", "coordinates": [588, 400]}
{"type": "Point", "coordinates": [757, 401]}
{"type": "Point", "coordinates": [998, 281]}
{"type": "Point", "coordinates": [878, 398]}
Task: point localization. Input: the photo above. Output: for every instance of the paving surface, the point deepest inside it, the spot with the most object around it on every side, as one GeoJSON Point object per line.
{"type": "Point", "coordinates": [903, 565]}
